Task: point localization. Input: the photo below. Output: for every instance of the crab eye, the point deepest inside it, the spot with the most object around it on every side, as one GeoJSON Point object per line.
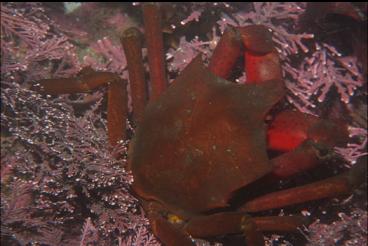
{"type": "Point", "coordinates": [322, 152]}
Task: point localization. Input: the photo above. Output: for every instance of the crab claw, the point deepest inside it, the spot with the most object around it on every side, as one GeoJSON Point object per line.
{"type": "Point", "coordinates": [306, 138]}
{"type": "Point", "coordinates": [290, 128]}
{"type": "Point", "coordinates": [262, 62]}
{"type": "Point", "coordinates": [261, 59]}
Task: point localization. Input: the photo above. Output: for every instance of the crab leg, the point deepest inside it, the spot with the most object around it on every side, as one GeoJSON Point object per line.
{"type": "Point", "coordinates": [86, 81]}
{"type": "Point", "coordinates": [177, 233]}
{"type": "Point", "coordinates": [238, 222]}
{"type": "Point", "coordinates": [304, 157]}
{"type": "Point", "coordinates": [253, 236]}
{"type": "Point", "coordinates": [155, 46]}
{"type": "Point", "coordinates": [117, 111]}
{"type": "Point", "coordinates": [339, 185]}
{"type": "Point", "coordinates": [132, 44]}
{"type": "Point", "coordinates": [233, 222]}
{"type": "Point", "coordinates": [279, 223]}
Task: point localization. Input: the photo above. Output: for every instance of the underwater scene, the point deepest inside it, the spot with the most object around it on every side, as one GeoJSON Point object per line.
{"type": "Point", "coordinates": [184, 123]}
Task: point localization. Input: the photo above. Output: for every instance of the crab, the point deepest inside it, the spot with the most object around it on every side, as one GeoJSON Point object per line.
{"type": "Point", "coordinates": [203, 141]}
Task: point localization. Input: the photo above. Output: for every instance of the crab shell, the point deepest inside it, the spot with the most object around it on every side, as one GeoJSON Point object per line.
{"type": "Point", "coordinates": [203, 139]}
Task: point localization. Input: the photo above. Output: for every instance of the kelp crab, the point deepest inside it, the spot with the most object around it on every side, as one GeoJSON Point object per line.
{"type": "Point", "coordinates": [204, 138]}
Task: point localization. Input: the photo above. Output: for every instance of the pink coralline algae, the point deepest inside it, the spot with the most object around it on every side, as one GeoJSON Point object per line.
{"type": "Point", "coordinates": [61, 185]}
{"type": "Point", "coordinates": [323, 70]}
{"type": "Point", "coordinates": [355, 150]}
{"type": "Point", "coordinates": [348, 230]}
{"type": "Point", "coordinates": [27, 40]}
{"type": "Point", "coordinates": [69, 172]}
{"type": "Point", "coordinates": [57, 170]}
{"type": "Point", "coordinates": [113, 55]}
